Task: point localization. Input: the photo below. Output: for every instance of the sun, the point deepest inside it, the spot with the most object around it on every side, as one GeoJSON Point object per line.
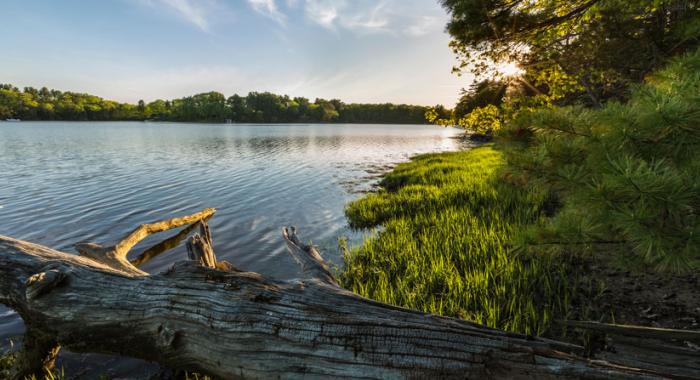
{"type": "Point", "coordinates": [509, 69]}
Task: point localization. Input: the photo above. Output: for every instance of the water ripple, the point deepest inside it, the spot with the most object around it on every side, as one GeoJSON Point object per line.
{"type": "Point", "coordinates": [69, 182]}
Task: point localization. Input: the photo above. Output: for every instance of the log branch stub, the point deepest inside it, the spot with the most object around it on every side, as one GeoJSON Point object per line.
{"type": "Point", "coordinates": [200, 247]}
{"type": "Point", "coordinates": [43, 282]}
{"type": "Point", "coordinates": [199, 250]}
{"type": "Point", "coordinates": [166, 336]}
{"type": "Point", "coordinates": [308, 257]}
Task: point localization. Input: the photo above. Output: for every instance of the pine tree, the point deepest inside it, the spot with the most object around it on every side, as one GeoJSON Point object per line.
{"type": "Point", "coordinates": [626, 176]}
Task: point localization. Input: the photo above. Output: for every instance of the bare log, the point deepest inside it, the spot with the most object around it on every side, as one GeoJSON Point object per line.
{"type": "Point", "coordinates": [233, 324]}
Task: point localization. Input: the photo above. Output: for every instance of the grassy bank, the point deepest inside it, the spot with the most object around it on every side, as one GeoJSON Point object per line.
{"type": "Point", "coordinates": [443, 246]}
{"type": "Point", "coordinates": [616, 241]}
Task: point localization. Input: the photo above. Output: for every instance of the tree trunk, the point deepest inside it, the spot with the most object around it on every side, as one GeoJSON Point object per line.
{"type": "Point", "coordinates": [206, 316]}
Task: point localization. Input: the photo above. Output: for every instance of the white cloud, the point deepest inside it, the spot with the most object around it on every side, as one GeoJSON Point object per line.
{"type": "Point", "coordinates": [376, 21]}
{"type": "Point", "coordinates": [193, 11]}
{"type": "Point", "coordinates": [397, 17]}
{"type": "Point", "coordinates": [269, 9]}
{"type": "Point", "coordinates": [424, 25]}
{"type": "Point", "coordinates": [332, 14]}
{"type": "Point", "coordinates": [364, 16]}
{"type": "Point", "coordinates": [324, 12]}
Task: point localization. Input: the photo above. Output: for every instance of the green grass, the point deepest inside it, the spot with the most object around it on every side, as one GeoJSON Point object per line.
{"type": "Point", "coordinates": [443, 247]}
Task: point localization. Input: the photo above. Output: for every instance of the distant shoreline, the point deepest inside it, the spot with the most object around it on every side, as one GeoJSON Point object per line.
{"type": "Point", "coordinates": [217, 122]}
{"type": "Point", "coordinates": [211, 107]}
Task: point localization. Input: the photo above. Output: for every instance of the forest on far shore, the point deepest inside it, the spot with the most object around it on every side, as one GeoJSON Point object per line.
{"type": "Point", "coordinates": [256, 107]}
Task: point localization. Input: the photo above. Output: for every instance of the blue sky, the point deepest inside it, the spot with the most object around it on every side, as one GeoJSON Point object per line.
{"type": "Point", "coordinates": [354, 50]}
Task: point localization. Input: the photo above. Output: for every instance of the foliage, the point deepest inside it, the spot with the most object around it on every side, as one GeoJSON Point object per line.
{"type": "Point", "coordinates": [480, 94]}
{"type": "Point", "coordinates": [256, 107]}
{"type": "Point", "coordinates": [628, 175]}
{"type": "Point", "coordinates": [482, 120]}
{"type": "Point", "coordinates": [575, 50]}
{"type": "Point", "coordinates": [439, 115]}
{"type": "Point", "coordinates": [196, 376]}
{"type": "Point", "coordinates": [45, 104]}
{"type": "Point", "coordinates": [53, 375]}
{"type": "Point", "coordinates": [7, 361]}
{"type": "Point", "coordinates": [477, 110]}
{"type": "Point", "coordinates": [443, 247]}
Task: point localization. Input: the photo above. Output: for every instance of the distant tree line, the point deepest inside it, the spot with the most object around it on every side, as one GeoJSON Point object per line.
{"type": "Point", "coordinates": [256, 107]}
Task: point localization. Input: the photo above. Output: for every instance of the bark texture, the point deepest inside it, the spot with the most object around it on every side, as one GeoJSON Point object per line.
{"type": "Point", "coordinates": [206, 316]}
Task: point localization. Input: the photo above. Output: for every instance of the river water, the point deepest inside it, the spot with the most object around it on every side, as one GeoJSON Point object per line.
{"type": "Point", "coordinates": [66, 182]}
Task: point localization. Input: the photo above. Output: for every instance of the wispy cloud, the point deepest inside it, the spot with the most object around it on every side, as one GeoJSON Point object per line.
{"type": "Point", "coordinates": [376, 20]}
{"type": "Point", "coordinates": [397, 17]}
{"type": "Point", "coordinates": [324, 12]}
{"type": "Point", "coordinates": [356, 17]}
{"type": "Point", "coordinates": [362, 16]}
{"type": "Point", "coordinates": [269, 9]}
{"type": "Point", "coordinates": [195, 12]}
{"type": "Point", "coordinates": [423, 26]}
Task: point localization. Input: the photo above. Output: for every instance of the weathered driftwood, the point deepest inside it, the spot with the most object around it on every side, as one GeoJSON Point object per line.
{"type": "Point", "coordinates": [648, 347]}
{"type": "Point", "coordinates": [638, 331]}
{"type": "Point", "coordinates": [152, 252]}
{"type": "Point", "coordinates": [200, 248]}
{"type": "Point", "coordinates": [233, 324]}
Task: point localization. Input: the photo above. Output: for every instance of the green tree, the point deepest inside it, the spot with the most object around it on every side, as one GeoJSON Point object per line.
{"type": "Point", "coordinates": [575, 50]}
{"type": "Point", "coordinates": [159, 109]}
{"type": "Point", "coordinates": [627, 175]}
{"type": "Point", "coordinates": [480, 94]}
{"type": "Point", "coordinates": [256, 107]}
{"type": "Point", "coordinates": [142, 109]}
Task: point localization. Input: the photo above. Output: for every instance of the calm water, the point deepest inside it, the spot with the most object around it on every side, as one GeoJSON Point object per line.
{"type": "Point", "coordinates": [65, 182]}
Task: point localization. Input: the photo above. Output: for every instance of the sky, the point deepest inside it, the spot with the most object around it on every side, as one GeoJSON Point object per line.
{"type": "Point", "coordinates": [354, 50]}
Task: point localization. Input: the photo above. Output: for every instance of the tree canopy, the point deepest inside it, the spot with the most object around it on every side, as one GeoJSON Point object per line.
{"type": "Point", "coordinates": [575, 50]}
{"type": "Point", "coordinates": [256, 107]}
{"type": "Point", "coordinates": [601, 114]}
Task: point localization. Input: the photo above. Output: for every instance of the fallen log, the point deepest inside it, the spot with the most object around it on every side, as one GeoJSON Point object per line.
{"type": "Point", "coordinates": [204, 316]}
{"type": "Point", "coordinates": [637, 331]}
{"type": "Point", "coordinates": [647, 347]}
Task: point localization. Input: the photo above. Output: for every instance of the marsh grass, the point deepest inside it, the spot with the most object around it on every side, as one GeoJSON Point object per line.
{"type": "Point", "coordinates": [53, 375]}
{"type": "Point", "coordinates": [8, 361]}
{"type": "Point", "coordinates": [444, 244]}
